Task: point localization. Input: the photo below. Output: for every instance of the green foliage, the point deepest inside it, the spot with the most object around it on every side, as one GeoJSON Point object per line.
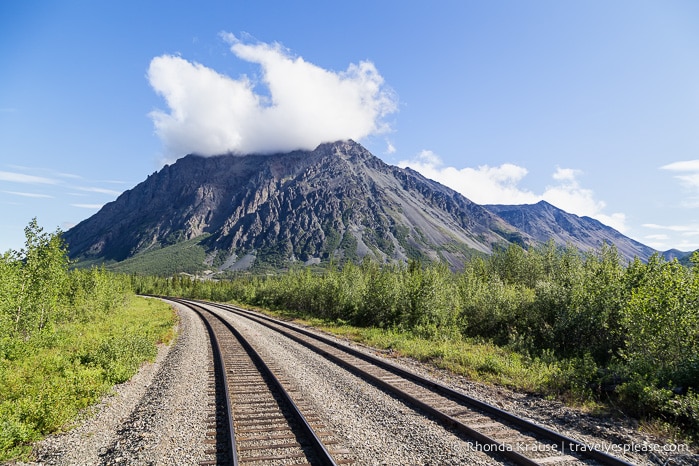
{"type": "Point", "coordinates": [381, 303]}
{"type": "Point", "coordinates": [479, 360]}
{"type": "Point", "coordinates": [349, 246]}
{"type": "Point", "coordinates": [332, 239]}
{"type": "Point", "coordinates": [662, 322]}
{"type": "Point", "coordinates": [591, 322]}
{"type": "Point", "coordinates": [597, 329]}
{"type": "Point", "coordinates": [185, 256]}
{"type": "Point", "coordinates": [575, 378]}
{"type": "Point", "coordinates": [432, 305]}
{"type": "Point", "coordinates": [119, 357]}
{"type": "Point", "coordinates": [35, 280]}
{"type": "Point", "coordinates": [66, 336]}
{"type": "Point", "coordinates": [63, 371]}
{"type": "Point", "coordinates": [648, 401]}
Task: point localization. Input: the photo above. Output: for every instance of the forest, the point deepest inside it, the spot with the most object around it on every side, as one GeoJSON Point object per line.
{"type": "Point", "coordinates": [586, 326]}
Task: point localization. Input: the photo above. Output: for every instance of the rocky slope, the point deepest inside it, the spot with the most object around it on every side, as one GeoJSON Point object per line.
{"type": "Point", "coordinates": [335, 202]}
{"type": "Point", "coordinates": [544, 222]}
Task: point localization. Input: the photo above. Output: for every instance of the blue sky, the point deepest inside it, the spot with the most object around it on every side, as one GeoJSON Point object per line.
{"type": "Point", "coordinates": [590, 105]}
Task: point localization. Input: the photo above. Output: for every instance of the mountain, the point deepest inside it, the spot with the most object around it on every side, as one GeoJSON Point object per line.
{"type": "Point", "coordinates": [335, 202]}
{"type": "Point", "coordinates": [676, 254]}
{"type": "Point", "coordinates": [543, 222]}
{"type": "Point", "coordinates": [684, 258]}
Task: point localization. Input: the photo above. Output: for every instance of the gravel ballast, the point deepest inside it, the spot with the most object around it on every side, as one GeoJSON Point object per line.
{"type": "Point", "coordinates": [156, 418]}
{"type": "Point", "coordinates": [159, 416]}
{"type": "Point", "coordinates": [381, 430]}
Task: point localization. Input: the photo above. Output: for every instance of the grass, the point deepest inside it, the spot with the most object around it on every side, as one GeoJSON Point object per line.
{"type": "Point", "coordinates": [662, 429]}
{"type": "Point", "coordinates": [46, 381]}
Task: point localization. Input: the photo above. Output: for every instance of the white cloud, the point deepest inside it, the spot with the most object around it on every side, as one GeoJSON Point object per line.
{"type": "Point", "coordinates": [93, 189]}
{"type": "Point", "coordinates": [688, 174]}
{"type": "Point", "coordinates": [683, 166]}
{"type": "Point", "coordinates": [675, 228]}
{"type": "Point", "coordinates": [682, 237]}
{"type": "Point", "coordinates": [34, 195]}
{"type": "Point", "coordinates": [691, 179]}
{"type": "Point", "coordinates": [500, 185]}
{"type": "Point", "coordinates": [88, 206]}
{"type": "Point", "coordinates": [566, 174]}
{"type": "Point", "coordinates": [22, 178]}
{"type": "Point", "coordinates": [483, 185]}
{"type": "Point", "coordinates": [69, 175]}
{"type": "Point", "coordinates": [571, 197]}
{"type": "Point", "coordinates": [305, 105]}
{"type": "Point", "coordinates": [658, 237]}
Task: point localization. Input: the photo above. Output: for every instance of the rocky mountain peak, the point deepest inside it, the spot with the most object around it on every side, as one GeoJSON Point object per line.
{"type": "Point", "coordinates": [543, 222]}
{"type": "Point", "coordinates": [337, 202]}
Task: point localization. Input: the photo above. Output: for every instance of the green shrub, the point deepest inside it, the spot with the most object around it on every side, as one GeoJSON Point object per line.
{"type": "Point", "coordinates": [593, 328]}
{"type": "Point", "coordinates": [69, 367]}
{"type": "Point", "coordinates": [120, 357]}
{"type": "Point", "coordinates": [576, 378]}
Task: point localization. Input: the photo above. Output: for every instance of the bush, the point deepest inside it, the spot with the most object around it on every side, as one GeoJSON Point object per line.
{"type": "Point", "coordinates": [61, 373]}
{"type": "Point", "coordinates": [120, 357]}
{"type": "Point", "coordinates": [662, 324]}
{"type": "Point", "coordinates": [589, 321]}
{"type": "Point", "coordinates": [576, 378]}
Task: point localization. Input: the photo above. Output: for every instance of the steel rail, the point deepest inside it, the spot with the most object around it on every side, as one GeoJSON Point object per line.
{"type": "Point", "coordinates": [324, 456]}
{"type": "Point", "coordinates": [218, 361]}
{"type": "Point", "coordinates": [571, 444]}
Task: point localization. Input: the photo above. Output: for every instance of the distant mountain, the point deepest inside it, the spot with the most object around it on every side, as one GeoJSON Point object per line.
{"type": "Point", "coordinates": [336, 202]}
{"type": "Point", "coordinates": [675, 254]}
{"type": "Point", "coordinates": [684, 258]}
{"type": "Point", "coordinates": [542, 221]}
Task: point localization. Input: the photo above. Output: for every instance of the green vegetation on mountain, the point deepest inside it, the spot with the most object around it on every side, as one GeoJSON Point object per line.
{"type": "Point", "coordinates": [185, 256]}
{"type": "Point", "coordinates": [66, 337]}
{"type": "Point", "coordinates": [549, 320]}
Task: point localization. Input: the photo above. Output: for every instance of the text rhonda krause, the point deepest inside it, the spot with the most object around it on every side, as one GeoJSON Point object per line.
{"type": "Point", "coordinates": [581, 448]}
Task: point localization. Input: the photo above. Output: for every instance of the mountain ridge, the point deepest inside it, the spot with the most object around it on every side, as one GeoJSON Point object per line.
{"type": "Point", "coordinates": [337, 202]}
{"type": "Point", "coordinates": [544, 221]}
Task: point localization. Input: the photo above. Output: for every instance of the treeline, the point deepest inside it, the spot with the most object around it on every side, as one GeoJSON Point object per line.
{"type": "Point", "coordinates": [626, 332]}
{"type": "Point", "coordinates": [37, 289]}
{"type": "Point", "coordinates": [66, 336]}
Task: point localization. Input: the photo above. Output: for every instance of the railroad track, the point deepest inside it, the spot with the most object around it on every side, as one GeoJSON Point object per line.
{"type": "Point", "coordinates": [497, 432]}
{"type": "Point", "coordinates": [258, 417]}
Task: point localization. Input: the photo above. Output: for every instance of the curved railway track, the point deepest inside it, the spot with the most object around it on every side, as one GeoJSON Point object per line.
{"type": "Point", "coordinates": [497, 432]}
{"type": "Point", "coordinates": [259, 418]}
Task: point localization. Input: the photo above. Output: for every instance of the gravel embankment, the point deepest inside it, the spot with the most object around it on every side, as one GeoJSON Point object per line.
{"type": "Point", "coordinates": [381, 430]}
{"type": "Point", "coordinates": [158, 417]}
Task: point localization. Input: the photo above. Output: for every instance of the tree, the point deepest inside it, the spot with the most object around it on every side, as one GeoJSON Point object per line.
{"type": "Point", "coordinates": [10, 278]}
{"type": "Point", "coordinates": [662, 322]}
{"type": "Point", "coordinates": [42, 276]}
{"type": "Point", "coordinates": [592, 321]}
